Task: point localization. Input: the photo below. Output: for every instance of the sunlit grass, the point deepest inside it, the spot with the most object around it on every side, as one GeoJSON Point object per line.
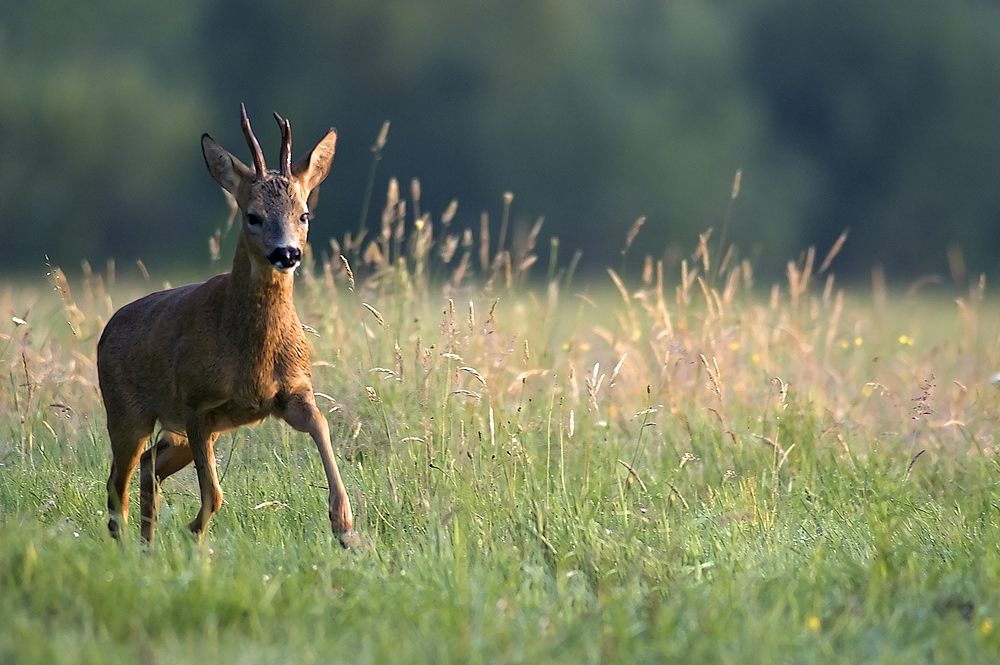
{"type": "Point", "coordinates": [645, 467]}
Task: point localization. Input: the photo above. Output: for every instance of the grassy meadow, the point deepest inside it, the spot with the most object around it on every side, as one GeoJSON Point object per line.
{"type": "Point", "coordinates": [665, 464]}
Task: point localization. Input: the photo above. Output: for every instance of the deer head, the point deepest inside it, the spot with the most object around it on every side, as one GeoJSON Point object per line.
{"type": "Point", "coordinates": [274, 204]}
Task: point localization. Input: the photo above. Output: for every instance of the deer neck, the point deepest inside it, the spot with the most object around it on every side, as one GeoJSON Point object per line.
{"type": "Point", "coordinates": [259, 303]}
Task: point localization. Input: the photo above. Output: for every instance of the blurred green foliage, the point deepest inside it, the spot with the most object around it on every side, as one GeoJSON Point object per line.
{"type": "Point", "coordinates": [879, 116]}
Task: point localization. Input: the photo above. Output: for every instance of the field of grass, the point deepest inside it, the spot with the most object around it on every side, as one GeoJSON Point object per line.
{"type": "Point", "coordinates": [684, 467]}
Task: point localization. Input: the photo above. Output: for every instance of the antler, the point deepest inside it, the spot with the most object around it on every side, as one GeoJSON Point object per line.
{"type": "Point", "coordinates": [286, 145]}
{"type": "Point", "coordinates": [255, 151]}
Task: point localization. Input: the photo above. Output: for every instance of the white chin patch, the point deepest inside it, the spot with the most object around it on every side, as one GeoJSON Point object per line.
{"type": "Point", "coordinates": [284, 269]}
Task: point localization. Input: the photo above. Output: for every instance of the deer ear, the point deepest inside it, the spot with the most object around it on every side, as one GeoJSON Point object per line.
{"type": "Point", "coordinates": [313, 199]}
{"type": "Point", "coordinates": [228, 171]}
{"type": "Point", "coordinates": [313, 168]}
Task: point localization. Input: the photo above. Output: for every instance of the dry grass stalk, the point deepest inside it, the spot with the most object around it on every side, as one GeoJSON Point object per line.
{"type": "Point", "coordinates": [389, 212]}
{"type": "Point", "coordinates": [448, 248]}
{"type": "Point", "coordinates": [827, 289]}
{"type": "Point", "coordinates": [382, 138]}
{"type": "Point", "coordinates": [72, 314]}
{"type": "Point", "coordinates": [375, 313]}
{"type": "Point", "coordinates": [737, 179]}
{"type": "Point", "coordinates": [731, 288]}
{"type": "Point", "coordinates": [594, 383]}
{"type": "Point", "coordinates": [688, 278]}
{"type": "Point", "coordinates": [508, 199]}
{"type": "Point", "coordinates": [348, 272]}
{"type": "Point", "coordinates": [703, 252]}
{"type": "Point", "coordinates": [616, 370]}
{"type": "Point", "coordinates": [472, 371]}
{"type": "Point", "coordinates": [727, 258]}
{"type": "Point", "coordinates": [484, 241]}
{"type": "Point", "coordinates": [415, 196]}
{"type": "Point", "coordinates": [449, 212]}
{"type": "Point", "coordinates": [714, 375]}
{"type": "Point", "coordinates": [712, 300]}
{"type": "Point", "coordinates": [661, 303]}
{"type": "Point", "coordinates": [792, 272]}
{"type": "Point", "coordinates": [832, 254]}
{"type": "Point", "coordinates": [632, 233]}
{"type": "Point", "coordinates": [460, 271]}
{"type": "Point", "coordinates": [620, 286]}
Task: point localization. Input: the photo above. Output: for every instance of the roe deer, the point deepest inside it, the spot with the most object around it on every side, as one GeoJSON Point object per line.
{"type": "Point", "coordinates": [206, 358]}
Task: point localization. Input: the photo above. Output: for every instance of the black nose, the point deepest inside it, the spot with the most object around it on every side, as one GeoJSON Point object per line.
{"type": "Point", "coordinates": [285, 257]}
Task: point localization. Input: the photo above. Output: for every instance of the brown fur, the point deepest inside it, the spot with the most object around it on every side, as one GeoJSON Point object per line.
{"type": "Point", "coordinates": [206, 358]}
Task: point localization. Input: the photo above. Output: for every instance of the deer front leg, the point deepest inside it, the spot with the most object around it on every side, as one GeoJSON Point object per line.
{"type": "Point", "coordinates": [302, 414]}
{"type": "Point", "coordinates": [202, 443]}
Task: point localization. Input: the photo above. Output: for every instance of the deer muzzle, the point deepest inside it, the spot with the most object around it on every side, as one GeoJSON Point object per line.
{"type": "Point", "coordinates": [285, 258]}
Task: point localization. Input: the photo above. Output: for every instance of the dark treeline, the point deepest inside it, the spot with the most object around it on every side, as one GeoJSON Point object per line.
{"type": "Point", "coordinates": [878, 116]}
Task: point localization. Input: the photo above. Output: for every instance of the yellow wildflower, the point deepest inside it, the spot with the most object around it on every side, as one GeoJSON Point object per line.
{"type": "Point", "coordinates": [814, 624]}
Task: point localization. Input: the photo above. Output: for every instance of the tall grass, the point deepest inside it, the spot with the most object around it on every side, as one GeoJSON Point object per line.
{"type": "Point", "coordinates": [672, 464]}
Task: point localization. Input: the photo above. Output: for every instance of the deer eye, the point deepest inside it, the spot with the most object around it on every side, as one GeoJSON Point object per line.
{"type": "Point", "coordinates": [306, 217]}
{"type": "Point", "coordinates": [254, 220]}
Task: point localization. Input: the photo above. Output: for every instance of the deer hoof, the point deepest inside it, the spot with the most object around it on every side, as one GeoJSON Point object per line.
{"type": "Point", "coordinates": [349, 539]}
{"type": "Point", "coordinates": [197, 531]}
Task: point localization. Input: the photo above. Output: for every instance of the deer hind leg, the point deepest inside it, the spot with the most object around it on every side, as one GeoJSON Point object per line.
{"type": "Point", "coordinates": [302, 414]}
{"type": "Point", "coordinates": [202, 445]}
{"type": "Point", "coordinates": [170, 454]}
{"type": "Point", "coordinates": [128, 438]}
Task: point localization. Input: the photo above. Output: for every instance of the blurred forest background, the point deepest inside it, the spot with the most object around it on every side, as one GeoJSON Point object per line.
{"type": "Point", "coordinates": [878, 116]}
